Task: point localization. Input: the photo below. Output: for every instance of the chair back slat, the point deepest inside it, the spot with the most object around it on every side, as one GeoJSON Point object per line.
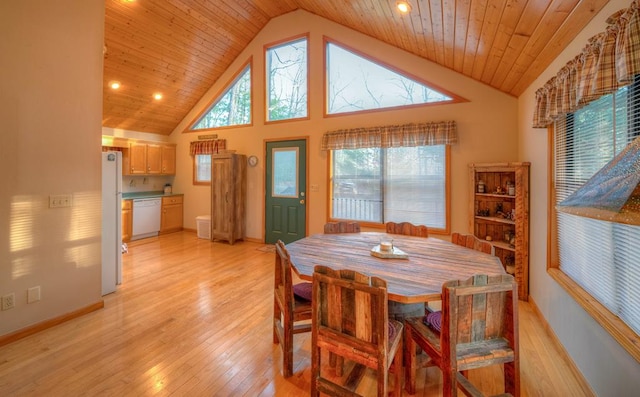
{"type": "Point", "coordinates": [472, 242]}
{"type": "Point", "coordinates": [407, 229]}
{"type": "Point", "coordinates": [478, 308]}
{"type": "Point", "coordinates": [350, 320]}
{"type": "Point", "coordinates": [479, 329]}
{"type": "Point", "coordinates": [341, 227]}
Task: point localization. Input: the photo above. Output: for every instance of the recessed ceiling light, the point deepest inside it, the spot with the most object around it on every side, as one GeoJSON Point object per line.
{"type": "Point", "coordinates": [114, 85]}
{"type": "Point", "coordinates": [157, 96]}
{"type": "Point", "coordinates": [403, 6]}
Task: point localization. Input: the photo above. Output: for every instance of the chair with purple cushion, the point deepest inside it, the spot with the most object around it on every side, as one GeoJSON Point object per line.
{"type": "Point", "coordinates": [291, 307]}
{"type": "Point", "coordinates": [350, 319]}
{"type": "Point", "coordinates": [479, 323]}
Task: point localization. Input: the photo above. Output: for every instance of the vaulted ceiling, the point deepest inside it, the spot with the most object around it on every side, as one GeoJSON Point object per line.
{"type": "Point", "coordinates": [181, 47]}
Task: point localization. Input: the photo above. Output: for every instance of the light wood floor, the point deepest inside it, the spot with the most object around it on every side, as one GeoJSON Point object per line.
{"type": "Point", "coordinates": [193, 318]}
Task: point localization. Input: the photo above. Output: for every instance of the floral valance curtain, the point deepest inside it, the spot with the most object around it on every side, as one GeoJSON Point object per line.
{"type": "Point", "coordinates": [423, 134]}
{"type": "Point", "coordinates": [609, 61]}
{"type": "Point", "coordinates": [207, 147]}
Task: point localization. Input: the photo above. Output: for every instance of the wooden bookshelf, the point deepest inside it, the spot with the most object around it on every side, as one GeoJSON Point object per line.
{"type": "Point", "coordinates": [500, 214]}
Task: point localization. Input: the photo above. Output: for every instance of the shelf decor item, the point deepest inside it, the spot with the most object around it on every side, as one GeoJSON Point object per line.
{"type": "Point", "coordinates": [500, 214]}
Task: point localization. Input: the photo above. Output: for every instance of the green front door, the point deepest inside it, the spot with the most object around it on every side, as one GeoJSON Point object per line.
{"type": "Point", "coordinates": [286, 197]}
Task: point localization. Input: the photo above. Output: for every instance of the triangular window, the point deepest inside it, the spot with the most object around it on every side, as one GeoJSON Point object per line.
{"type": "Point", "coordinates": [356, 83]}
{"type": "Point", "coordinates": [232, 107]}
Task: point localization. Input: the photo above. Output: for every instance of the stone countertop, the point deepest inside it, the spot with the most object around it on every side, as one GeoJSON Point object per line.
{"type": "Point", "coordinates": [140, 195]}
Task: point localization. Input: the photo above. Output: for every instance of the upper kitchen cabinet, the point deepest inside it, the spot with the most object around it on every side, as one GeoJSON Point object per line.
{"type": "Point", "coordinates": [147, 158]}
{"type": "Point", "coordinates": [168, 159]}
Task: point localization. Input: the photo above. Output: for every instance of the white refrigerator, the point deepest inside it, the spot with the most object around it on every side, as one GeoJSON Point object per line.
{"type": "Point", "coordinates": [111, 221]}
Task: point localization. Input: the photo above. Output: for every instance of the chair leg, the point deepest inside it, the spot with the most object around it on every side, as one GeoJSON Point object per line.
{"type": "Point", "coordinates": [409, 362]}
{"type": "Point", "coordinates": [277, 314]}
{"type": "Point", "coordinates": [287, 350]}
{"type": "Point", "coordinates": [383, 381]}
{"type": "Point", "coordinates": [449, 383]}
{"type": "Point", "coordinates": [511, 379]}
{"type": "Point", "coordinates": [397, 370]}
{"type": "Point", "coordinates": [315, 370]}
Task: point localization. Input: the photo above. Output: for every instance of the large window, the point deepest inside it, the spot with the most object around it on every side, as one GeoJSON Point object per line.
{"type": "Point", "coordinates": [403, 184]}
{"type": "Point", "coordinates": [286, 68]}
{"type": "Point", "coordinates": [602, 257]}
{"type": "Point", "coordinates": [231, 108]}
{"type": "Point", "coordinates": [355, 83]}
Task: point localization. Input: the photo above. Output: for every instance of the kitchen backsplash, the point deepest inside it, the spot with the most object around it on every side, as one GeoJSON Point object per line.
{"type": "Point", "coordinates": [138, 183]}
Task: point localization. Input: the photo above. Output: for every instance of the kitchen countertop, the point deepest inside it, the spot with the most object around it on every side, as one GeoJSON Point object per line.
{"type": "Point", "coordinates": [140, 195]}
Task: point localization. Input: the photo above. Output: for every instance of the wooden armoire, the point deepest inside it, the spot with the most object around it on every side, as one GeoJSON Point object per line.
{"type": "Point", "coordinates": [228, 192]}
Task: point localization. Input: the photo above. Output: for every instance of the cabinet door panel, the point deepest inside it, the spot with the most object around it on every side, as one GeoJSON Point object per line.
{"type": "Point", "coordinates": [154, 159]}
{"type": "Point", "coordinates": [169, 160]}
{"type": "Point", "coordinates": [137, 158]}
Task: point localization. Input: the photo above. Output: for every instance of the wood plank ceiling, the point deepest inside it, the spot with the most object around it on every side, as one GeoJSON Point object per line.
{"type": "Point", "coordinates": [181, 47]}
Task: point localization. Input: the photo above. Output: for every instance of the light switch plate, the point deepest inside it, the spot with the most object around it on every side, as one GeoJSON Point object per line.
{"type": "Point", "coordinates": [33, 294]}
{"type": "Point", "coordinates": [60, 200]}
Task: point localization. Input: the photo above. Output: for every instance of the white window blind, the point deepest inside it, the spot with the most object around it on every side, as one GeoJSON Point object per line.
{"type": "Point", "coordinates": [602, 257]}
{"type": "Point", "coordinates": [400, 184]}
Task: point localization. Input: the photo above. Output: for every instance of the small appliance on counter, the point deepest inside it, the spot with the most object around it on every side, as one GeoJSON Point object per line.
{"type": "Point", "coordinates": [168, 189]}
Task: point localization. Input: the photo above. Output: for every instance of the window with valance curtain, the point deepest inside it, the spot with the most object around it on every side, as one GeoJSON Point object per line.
{"type": "Point", "coordinates": [593, 107]}
{"type": "Point", "coordinates": [391, 173]}
{"type": "Point", "coordinates": [209, 146]}
{"type": "Point", "coordinates": [609, 61]}
{"type": "Point", "coordinates": [201, 152]}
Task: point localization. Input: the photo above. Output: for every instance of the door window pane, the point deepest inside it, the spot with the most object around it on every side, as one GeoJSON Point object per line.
{"type": "Point", "coordinates": [285, 172]}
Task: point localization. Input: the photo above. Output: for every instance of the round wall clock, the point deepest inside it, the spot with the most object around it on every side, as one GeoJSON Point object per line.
{"type": "Point", "coordinates": [252, 161]}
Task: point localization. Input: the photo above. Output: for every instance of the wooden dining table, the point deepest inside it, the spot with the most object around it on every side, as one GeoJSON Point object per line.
{"type": "Point", "coordinates": [418, 278]}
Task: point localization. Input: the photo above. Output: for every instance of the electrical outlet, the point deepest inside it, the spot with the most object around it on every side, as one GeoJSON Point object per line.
{"type": "Point", "coordinates": [8, 301]}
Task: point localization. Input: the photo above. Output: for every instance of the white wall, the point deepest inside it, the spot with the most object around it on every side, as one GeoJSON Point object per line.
{"type": "Point", "coordinates": [51, 112]}
{"type": "Point", "coordinates": [487, 123]}
{"type": "Point", "coordinates": [608, 368]}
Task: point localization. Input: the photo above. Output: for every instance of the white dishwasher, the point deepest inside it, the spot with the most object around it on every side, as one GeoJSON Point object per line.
{"type": "Point", "coordinates": [146, 217]}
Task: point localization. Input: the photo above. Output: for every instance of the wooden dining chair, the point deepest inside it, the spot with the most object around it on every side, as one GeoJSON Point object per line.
{"type": "Point", "coordinates": [350, 320]}
{"type": "Point", "coordinates": [479, 328]}
{"type": "Point", "coordinates": [290, 310]}
{"type": "Point", "coordinates": [341, 227]}
{"type": "Point", "coordinates": [407, 228]}
{"type": "Point", "coordinates": [471, 241]}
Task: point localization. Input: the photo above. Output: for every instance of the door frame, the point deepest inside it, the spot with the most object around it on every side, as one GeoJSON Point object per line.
{"type": "Point", "coordinates": [264, 181]}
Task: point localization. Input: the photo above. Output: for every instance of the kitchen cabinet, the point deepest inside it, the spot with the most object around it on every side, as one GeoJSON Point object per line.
{"type": "Point", "coordinates": [154, 159]}
{"type": "Point", "coordinates": [228, 192]}
{"type": "Point", "coordinates": [499, 213]}
{"type": "Point", "coordinates": [171, 214]}
{"type": "Point", "coordinates": [146, 158]}
{"type": "Point", "coordinates": [168, 160]}
{"type": "Point", "coordinates": [127, 220]}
